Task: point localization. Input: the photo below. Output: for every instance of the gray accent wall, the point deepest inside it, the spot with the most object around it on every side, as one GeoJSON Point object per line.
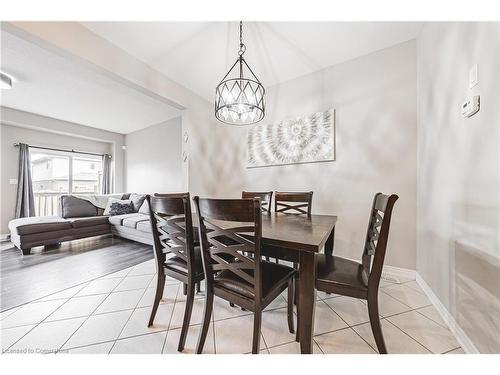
{"type": "Point", "coordinates": [374, 97]}
{"type": "Point", "coordinates": [154, 158]}
{"type": "Point", "coordinates": [458, 231]}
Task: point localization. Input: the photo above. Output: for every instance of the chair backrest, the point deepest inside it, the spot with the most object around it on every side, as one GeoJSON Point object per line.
{"type": "Point", "coordinates": [376, 237]}
{"type": "Point", "coordinates": [299, 203]}
{"type": "Point", "coordinates": [230, 236]}
{"type": "Point", "coordinates": [172, 227]}
{"type": "Point", "coordinates": [265, 198]}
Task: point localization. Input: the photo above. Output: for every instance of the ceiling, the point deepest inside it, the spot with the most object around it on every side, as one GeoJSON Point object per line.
{"type": "Point", "coordinates": [198, 54]}
{"type": "Point", "coordinates": [55, 86]}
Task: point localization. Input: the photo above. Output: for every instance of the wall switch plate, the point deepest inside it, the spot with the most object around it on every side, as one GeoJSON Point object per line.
{"type": "Point", "coordinates": [12, 181]}
{"type": "Point", "coordinates": [471, 106]}
{"type": "Point", "coordinates": [473, 77]}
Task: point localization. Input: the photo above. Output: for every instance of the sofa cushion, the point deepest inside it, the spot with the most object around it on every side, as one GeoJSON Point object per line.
{"type": "Point", "coordinates": [112, 200]}
{"type": "Point", "coordinates": [137, 200]}
{"type": "Point", "coordinates": [76, 207]}
{"type": "Point", "coordinates": [31, 225]}
{"type": "Point", "coordinates": [132, 221]}
{"type": "Point", "coordinates": [118, 219]}
{"type": "Point", "coordinates": [144, 226]}
{"type": "Point", "coordinates": [121, 208]}
{"type": "Point", "coordinates": [144, 208]}
{"type": "Point", "coordinates": [80, 222]}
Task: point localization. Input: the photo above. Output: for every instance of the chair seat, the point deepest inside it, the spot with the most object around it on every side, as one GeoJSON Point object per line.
{"type": "Point", "coordinates": [332, 271]}
{"type": "Point", "coordinates": [177, 264]}
{"type": "Point", "coordinates": [274, 277]}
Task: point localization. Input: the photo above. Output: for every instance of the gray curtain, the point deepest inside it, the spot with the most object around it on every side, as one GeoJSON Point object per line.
{"type": "Point", "coordinates": [106, 174]}
{"type": "Point", "coordinates": [25, 203]}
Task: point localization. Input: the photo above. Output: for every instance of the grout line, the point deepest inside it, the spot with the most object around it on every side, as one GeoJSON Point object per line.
{"type": "Point", "coordinates": [458, 347]}
{"type": "Point", "coordinates": [414, 339]}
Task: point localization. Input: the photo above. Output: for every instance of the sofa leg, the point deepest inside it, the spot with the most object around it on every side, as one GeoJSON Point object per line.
{"type": "Point", "coordinates": [26, 251]}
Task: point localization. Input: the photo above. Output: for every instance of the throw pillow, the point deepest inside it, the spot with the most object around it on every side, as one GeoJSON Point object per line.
{"type": "Point", "coordinates": [137, 200]}
{"type": "Point", "coordinates": [118, 208]}
{"type": "Point", "coordinates": [113, 200]}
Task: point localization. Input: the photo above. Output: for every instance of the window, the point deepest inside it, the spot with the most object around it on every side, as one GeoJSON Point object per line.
{"type": "Point", "coordinates": [55, 173]}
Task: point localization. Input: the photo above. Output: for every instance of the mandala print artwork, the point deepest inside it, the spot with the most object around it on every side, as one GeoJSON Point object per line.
{"type": "Point", "coordinates": [300, 140]}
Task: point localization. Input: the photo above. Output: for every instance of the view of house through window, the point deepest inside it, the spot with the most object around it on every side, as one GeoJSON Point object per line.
{"type": "Point", "coordinates": [55, 173]}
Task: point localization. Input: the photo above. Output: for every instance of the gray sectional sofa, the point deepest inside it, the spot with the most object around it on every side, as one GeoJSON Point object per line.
{"type": "Point", "coordinates": [79, 218]}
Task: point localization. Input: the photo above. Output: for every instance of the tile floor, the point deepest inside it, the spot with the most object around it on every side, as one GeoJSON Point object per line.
{"type": "Point", "coordinates": [109, 315]}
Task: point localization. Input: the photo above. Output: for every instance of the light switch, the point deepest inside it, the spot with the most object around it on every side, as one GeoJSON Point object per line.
{"type": "Point", "coordinates": [12, 181]}
{"type": "Point", "coordinates": [473, 78]}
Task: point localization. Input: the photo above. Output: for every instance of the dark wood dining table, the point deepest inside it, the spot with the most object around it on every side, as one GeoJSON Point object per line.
{"type": "Point", "coordinates": [298, 238]}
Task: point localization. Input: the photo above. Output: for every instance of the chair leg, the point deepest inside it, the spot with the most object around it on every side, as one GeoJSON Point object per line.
{"type": "Point", "coordinates": [375, 322]}
{"type": "Point", "coordinates": [290, 298]}
{"type": "Point", "coordinates": [198, 287]}
{"type": "Point", "coordinates": [160, 286]}
{"type": "Point", "coordinates": [187, 316]}
{"type": "Point", "coordinates": [207, 315]}
{"type": "Point", "coordinates": [297, 337]}
{"type": "Point", "coordinates": [257, 320]}
{"type": "Point", "coordinates": [184, 289]}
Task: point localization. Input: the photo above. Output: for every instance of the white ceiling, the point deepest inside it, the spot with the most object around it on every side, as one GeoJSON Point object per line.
{"type": "Point", "coordinates": [54, 86]}
{"type": "Point", "coordinates": [198, 54]}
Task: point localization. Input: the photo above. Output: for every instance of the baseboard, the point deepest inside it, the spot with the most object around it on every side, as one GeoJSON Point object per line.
{"type": "Point", "coordinates": [464, 341]}
{"type": "Point", "coordinates": [4, 237]}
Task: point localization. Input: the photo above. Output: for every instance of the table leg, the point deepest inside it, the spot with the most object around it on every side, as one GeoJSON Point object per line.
{"type": "Point", "coordinates": [307, 300]}
{"type": "Point", "coordinates": [329, 243]}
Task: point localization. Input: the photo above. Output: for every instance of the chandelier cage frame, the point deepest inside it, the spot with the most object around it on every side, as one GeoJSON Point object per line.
{"type": "Point", "coordinates": [239, 100]}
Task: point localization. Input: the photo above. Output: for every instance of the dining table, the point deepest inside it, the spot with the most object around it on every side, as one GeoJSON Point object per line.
{"type": "Point", "coordinates": [298, 238]}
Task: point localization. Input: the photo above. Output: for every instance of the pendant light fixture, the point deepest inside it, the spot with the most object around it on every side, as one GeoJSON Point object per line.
{"type": "Point", "coordinates": [239, 97]}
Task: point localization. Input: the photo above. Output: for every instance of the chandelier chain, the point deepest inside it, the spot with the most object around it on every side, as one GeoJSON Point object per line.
{"type": "Point", "coordinates": [242, 46]}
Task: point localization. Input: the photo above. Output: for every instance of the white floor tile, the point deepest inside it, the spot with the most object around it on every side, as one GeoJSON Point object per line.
{"type": "Point", "coordinates": [407, 295]}
{"type": "Point", "coordinates": [99, 328]}
{"type": "Point", "coordinates": [120, 301]}
{"type": "Point", "coordinates": [146, 268]}
{"type": "Point", "coordinates": [293, 348]}
{"type": "Point", "coordinates": [431, 313]}
{"type": "Point", "coordinates": [47, 337]}
{"type": "Point", "coordinates": [388, 306]}
{"type": "Point", "coordinates": [64, 294]}
{"type": "Point", "coordinates": [396, 341]}
{"type": "Point", "coordinates": [138, 322]}
{"type": "Point", "coordinates": [345, 341]}
{"type": "Point", "coordinates": [102, 348]}
{"type": "Point", "coordinates": [278, 303]}
{"type": "Point", "coordinates": [134, 282]}
{"type": "Point", "coordinates": [414, 285]}
{"type": "Point", "coordinates": [275, 327]}
{"type": "Point", "coordinates": [32, 313]}
{"type": "Point", "coordinates": [227, 342]}
{"type": "Point", "coordinates": [99, 286]}
{"type": "Point", "coordinates": [144, 344]}
{"type": "Point", "coordinates": [351, 310]}
{"type": "Point", "coordinates": [10, 335]}
{"type": "Point", "coordinates": [456, 351]}
{"type": "Point", "coordinates": [119, 274]}
{"type": "Point", "coordinates": [169, 295]}
{"type": "Point", "coordinates": [77, 307]}
{"type": "Point", "coordinates": [6, 313]}
{"type": "Point", "coordinates": [326, 320]}
{"type": "Point", "coordinates": [427, 332]}
{"type": "Point", "coordinates": [192, 339]}
{"type": "Point", "coordinates": [196, 314]}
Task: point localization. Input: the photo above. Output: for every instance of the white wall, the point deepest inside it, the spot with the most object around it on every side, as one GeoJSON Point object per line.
{"type": "Point", "coordinates": [375, 101]}
{"type": "Point", "coordinates": [458, 251]}
{"type": "Point", "coordinates": [153, 158]}
{"type": "Point", "coordinates": [17, 126]}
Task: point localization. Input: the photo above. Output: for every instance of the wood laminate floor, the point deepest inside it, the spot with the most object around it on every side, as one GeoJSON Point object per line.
{"type": "Point", "coordinates": [27, 278]}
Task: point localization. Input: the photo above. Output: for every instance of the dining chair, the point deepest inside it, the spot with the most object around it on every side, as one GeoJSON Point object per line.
{"type": "Point", "coordinates": [228, 230]}
{"type": "Point", "coordinates": [266, 198]}
{"type": "Point", "coordinates": [361, 280]}
{"type": "Point", "coordinates": [293, 202]}
{"type": "Point", "coordinates": [172, 228]}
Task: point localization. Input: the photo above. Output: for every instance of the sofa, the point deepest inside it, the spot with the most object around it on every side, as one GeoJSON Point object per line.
{"type": "Point", "coordinates": [78, 218]}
